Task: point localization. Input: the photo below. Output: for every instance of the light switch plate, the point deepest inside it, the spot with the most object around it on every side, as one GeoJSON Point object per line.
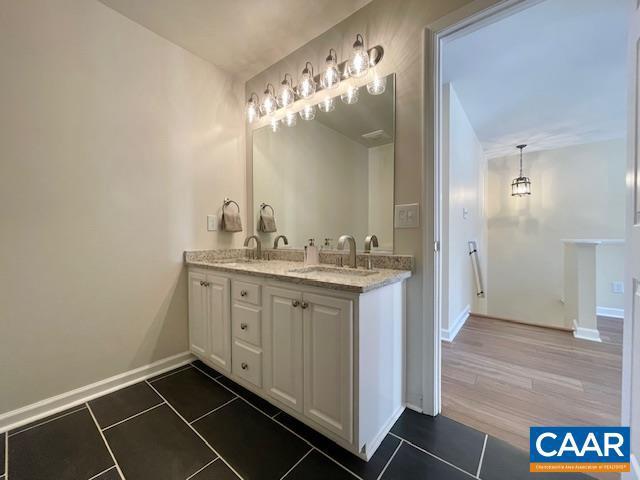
{"type": "Point", "coordinates": [212, 223]}
{"type": "Point", "coordinates": [407, 216]}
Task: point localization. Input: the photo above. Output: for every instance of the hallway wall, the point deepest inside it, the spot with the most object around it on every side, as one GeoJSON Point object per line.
{"type": "Point", "coordinates": [577, 192]}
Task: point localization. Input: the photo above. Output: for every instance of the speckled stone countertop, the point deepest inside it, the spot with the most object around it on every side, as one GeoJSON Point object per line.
{"type": "Point", "coordinates": [329, 276]}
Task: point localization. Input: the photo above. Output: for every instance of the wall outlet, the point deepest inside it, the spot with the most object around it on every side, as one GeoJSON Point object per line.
{"type": "Point", "coordinates": [407, 216]}
{"type": "Point", "coordinates": [212, 223]}
{"type": "Point", "coordinates": [617, 287]}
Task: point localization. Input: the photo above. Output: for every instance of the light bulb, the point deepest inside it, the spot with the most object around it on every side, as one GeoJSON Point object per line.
{"type": "Point", "coordinates": [307, 86]}
{"type": "Point", "coordinates": [327, 105]}
{"type": "Point", "coordinates": [377, 86]}
{"type": "Point", "coordinates": [275, 125]}
{"type": "Point", "coordinates": [290, 119]}
{"type": "Point", "coordinates": [269, 104]}
{"type": "Point", "coordinates": [330, 77]}
{"type": "Point", "coordinates": [286, 95]}
{"type": "Point", "coordinates": [253, 112]}
{"type": "Point", "coordinates": [308, 112]}
{"type": "Point", "coordinates": [350, 96]}
{"type": "Point", "coordinates": [358, 63]}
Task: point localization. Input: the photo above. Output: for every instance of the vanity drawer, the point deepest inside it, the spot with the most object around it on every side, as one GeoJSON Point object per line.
{"type": "Point", "coordinates": [247, 323]}
{"type": "Point", "coordinates": [245, 292]}
{"type": "Point", "coordinates": [247, 363]}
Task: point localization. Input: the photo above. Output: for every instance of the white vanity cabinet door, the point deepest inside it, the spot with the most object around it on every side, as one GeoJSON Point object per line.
{"type": "Point", "coordinates": [219, 303]}
{"type": "Point", "coordinates": [328, 362]}
{"type": "Point", "coordinates": [282, 346]}
{"type": "Point", "coordinates": [198, 323]}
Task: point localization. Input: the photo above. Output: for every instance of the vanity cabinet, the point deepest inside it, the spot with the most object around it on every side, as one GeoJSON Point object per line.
{"type": "Point", "coordinates": [210, 318]}
{"type": "Point", "coordinates": [331, 358]}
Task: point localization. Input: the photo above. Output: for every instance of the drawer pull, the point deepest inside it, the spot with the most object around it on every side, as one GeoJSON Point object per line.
{"type": "Point", "coordinates": [204, 284]}
{"type": "Point", "coordinates": [243, 293]}
{"type": "Point", "coordinates": [243, 326]}
{"type": "Point", "coordinates": [244, 366]}
{"type": "Point", "coordinates": [295, 303]}
{"type": "Point", "coordinates": [304, 305]}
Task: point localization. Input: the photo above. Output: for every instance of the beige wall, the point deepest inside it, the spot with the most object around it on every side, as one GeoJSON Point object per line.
{"type": "Point", "coordinates": [577, 192]}
{"type": "Point", "coordinates": [381, 195]}
{"type": "Point", "coordinates": [115, 145]}
{"type": "Point", "coordinates": [315, 178]}
{"type": "Point", "coordinates": [464, 176]}
{"type": "Point", "coordinates": [398, 26]}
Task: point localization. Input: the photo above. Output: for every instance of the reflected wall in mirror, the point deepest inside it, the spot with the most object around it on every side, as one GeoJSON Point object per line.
{"type": "Point", "coordinates": [332, 175]}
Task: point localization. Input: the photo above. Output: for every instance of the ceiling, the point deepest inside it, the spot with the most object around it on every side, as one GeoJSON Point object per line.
{"type": "Point", "coordinates": [550, 76]}
{"type": "Point", "coordinates": [243, 37]}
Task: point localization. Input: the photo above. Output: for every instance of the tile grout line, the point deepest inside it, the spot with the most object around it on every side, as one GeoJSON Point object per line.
{"type": "Point", "coordinates": [214, 410]}
{"type": "Point", "coordinates": [104, 471]}
{"type": "Point", "coordinates": [180, 369]}
{"type": "Point", "coordinates": [282, 425]}
{"type": "Point", "coordinates": [297, 463]}
{"type": "Point", "coordinates": [433, 455]}
{"type": "Point", "coordinates": [195, 431]}
{"type": "Point", "coordinates": [276, 414]}
{"type": "Point", "coordinates": [484, 447]}
{"type": "Point", "coordinates": [198, 471]}
{"type": "Point", "coordinates": [104, 439]}
{"type": "Point", "coordinates": [6, 456]}
{"type": "Point", "coordinates": [132, 416]}
{"type": "Point", "coordinates": [390, 460]}
{"type": "Point", "coordinates": [48, 421]}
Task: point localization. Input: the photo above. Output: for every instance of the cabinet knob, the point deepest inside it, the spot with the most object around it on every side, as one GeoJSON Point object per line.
{"type": "Point", "coordinates": [244, 366]}
{"type": "Point", "coordinates": [201, 283]}
{"type": "Point", "coordinates": [206, 284]}
{"type": "Point", "coordinates": [243, 293]}
{"type": "Point", "coordinates": [243, 326]}
{"type": "Point", "coordinates": [295, 303]}
{"type": "Point", "coordinates": [304, 305]}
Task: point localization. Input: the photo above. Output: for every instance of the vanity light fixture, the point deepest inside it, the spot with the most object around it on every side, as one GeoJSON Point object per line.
{"type": "Point", "coordinates": [350, 96]}
{"type": "Point", "coordinates": [269, 104]}
{"type": "Point", "coordinates": [286, 95]}
{"type": "Point", "coordinates": [274, 123]}
{"type": "Point", "coordinates": [358, 64]}
{"type": "Point", "coordinates": [290, 119]}
{"type": "Point", "coordinates": [307, 86]}
{"type": "Point", "coordinates": [330, 77]}
{"type": "Point", "coordinates": [520, 186]}
{"type": "Point", "coordinates": [378, 85]}
{"type": "Point", "coordinates": [253, 109]}
{"type": "Point", "coordinates": [308, 112]}
{"type": "Point", "coordinates": [327, 105]}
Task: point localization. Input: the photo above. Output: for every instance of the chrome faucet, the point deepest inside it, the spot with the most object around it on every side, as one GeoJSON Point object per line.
{"type": "Point", "coordinates": [258, 254]}
{"type": "Point", "coordinates": [284, 239]}
{"type": "Point", "coordinates": [371, 240]}
{"type": "Point", "coordinates": [352, 249]}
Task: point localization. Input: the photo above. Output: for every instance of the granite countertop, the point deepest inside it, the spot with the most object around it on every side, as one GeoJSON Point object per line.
{"type": "Point", "coordinates": [329, 277]}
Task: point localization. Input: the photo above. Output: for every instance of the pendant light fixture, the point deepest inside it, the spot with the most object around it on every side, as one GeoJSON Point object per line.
{"type": "Point", "coordinates": [358, 64]}
{"type": "Point", "coordinates": [327, 105]}
{"type": "Point", "coordinates": [286, 95]}
{"type": "Point", "coordinates": [521, 186]}
{"type": "Point", "coordinates": [274, 124]}
{"type": "Point", "coordinates": [330, 77]}
{"type": "Point", "coordinates": [378, 85]}
{"type": "Point", "coordinates": [290, 119]}
{"type": "Point", "coordinates": [253, 108]}
{"type": "Point", "coordinates": [307, 86]}
{"type": "Point", "coordinates": [269, 103]}
{"type": "Point", "coordinates": [351, 95]}
{"type": "Point", "coordinates": [308, 112]}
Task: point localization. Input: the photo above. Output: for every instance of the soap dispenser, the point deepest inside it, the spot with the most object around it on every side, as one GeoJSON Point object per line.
{"type": "Point", "coordinates": [311, 255]}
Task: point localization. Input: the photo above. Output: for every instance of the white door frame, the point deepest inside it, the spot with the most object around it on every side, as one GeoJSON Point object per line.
{"type": "Point", "coordinates": [460, 22]}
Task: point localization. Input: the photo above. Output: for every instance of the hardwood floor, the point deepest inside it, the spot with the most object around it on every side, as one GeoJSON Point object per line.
{"type": "Point", "coordinates": [503, 377]}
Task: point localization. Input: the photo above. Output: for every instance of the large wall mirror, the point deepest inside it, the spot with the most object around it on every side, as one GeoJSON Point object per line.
{"type": "Point", "coordinates": [330, 176]}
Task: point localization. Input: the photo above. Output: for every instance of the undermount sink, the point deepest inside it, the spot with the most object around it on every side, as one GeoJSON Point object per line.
{"type": "Point", "coordinates": [349, 272]}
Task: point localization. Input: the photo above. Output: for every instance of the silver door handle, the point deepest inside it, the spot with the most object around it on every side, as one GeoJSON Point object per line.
{"type": "Point", "coordinates": [295, 303]}
{"type": "Point", "coordinates": [244, 366]}
{"type": "Point", "coordinates": [243, 326]}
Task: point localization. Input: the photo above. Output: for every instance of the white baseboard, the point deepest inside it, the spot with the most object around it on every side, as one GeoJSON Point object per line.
{"type": "Point", "coordinates": [413, 407]}
{"type": "Point", "coordinates": [610, 312]}
{"type": "Point", "coordinates": [52, 405]}
{"type": "Point", "coordinates": [448, 335]}
{"type": "Point", "coordinates": [382, 434]}
{"type": "Point", "coordinates": [591, 334]}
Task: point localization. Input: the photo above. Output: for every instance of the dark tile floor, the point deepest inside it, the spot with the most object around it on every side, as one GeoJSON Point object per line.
{"type": "Point", "coordinates": [194, 424]}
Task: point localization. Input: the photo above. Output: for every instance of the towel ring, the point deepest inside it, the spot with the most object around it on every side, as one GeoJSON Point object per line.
{"type": "Point", "coordinates": [228, 201]}
{"type": "Point", "coordinates": [265, 205]}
